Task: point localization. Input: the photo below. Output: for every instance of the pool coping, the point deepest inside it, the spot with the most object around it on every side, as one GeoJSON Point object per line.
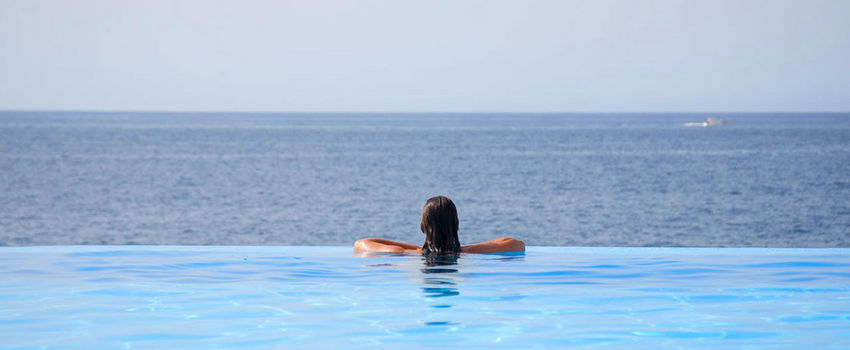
{"type": "Point", "coordinates": [529, 249]}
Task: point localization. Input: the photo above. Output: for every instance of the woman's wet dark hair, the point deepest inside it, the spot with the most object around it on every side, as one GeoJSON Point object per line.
{"type": "Point", "coordinates": [439, 224]}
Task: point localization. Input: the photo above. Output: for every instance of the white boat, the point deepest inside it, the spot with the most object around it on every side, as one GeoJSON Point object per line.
{"type": "Point", "coordinates": [709, 122]}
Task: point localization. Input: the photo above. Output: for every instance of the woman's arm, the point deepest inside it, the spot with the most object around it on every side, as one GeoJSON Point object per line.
{"type": "Point", "coordinates": [380, 245]}
{"type": "Point", "coordinates": [498, 245]}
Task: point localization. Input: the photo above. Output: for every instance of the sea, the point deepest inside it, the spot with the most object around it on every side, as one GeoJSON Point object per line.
{"type": "Point", "coordinates": [614, 180]}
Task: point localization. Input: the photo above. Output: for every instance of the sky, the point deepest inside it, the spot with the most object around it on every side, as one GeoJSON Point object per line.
{"type": "Point", "coordinates": [426, 56]}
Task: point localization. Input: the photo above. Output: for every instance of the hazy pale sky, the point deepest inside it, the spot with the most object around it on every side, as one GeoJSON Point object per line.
{"type": "Point", "coordinates": [427, 56]}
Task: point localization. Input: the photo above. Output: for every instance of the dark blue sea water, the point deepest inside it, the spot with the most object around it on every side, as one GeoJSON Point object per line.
{"type": "Point", "coordinates": [762, 180]}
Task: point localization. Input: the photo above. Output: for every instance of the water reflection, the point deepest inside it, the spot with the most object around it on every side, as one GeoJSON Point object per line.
{"type": "Point", "coordinates": [440, 260]}
{"type": "Point", "coordinates": [439, 281]}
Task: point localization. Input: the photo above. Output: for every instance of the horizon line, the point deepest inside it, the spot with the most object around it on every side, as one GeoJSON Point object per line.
{"type": "Point", "coordinates": [408, 112]}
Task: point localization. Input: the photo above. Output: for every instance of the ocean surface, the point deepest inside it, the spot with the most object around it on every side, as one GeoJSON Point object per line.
{"type": "Point", "coordinates": [761, 180]}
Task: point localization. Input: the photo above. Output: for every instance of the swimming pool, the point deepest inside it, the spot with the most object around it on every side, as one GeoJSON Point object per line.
{"type": "Point", "coordinates": [87, 297]}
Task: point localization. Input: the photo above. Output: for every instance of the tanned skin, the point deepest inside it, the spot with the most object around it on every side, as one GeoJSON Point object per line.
{"type": "Point", "coordinates": [380, 245]}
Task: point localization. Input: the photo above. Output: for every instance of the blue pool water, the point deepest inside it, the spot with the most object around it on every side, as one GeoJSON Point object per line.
{"type": "Point", "coordinates": [99, 297]}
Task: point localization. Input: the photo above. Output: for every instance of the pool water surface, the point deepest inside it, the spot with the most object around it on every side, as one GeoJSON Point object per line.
{"type": "Point", "coordinates": [98, 297]}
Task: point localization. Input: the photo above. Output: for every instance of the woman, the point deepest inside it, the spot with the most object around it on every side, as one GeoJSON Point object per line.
{"type": "Point", "coordinates": [439, 224]}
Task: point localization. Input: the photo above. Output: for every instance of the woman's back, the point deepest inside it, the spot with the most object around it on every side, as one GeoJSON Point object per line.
{"type": "Point", "coordinates": [439, 223]}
